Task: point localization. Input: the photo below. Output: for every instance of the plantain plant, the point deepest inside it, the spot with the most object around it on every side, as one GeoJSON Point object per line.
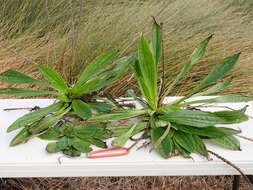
{"type": "Point", "coordinates": [73, 103]}
{"type": "Point", "coordinates": [178, 127]}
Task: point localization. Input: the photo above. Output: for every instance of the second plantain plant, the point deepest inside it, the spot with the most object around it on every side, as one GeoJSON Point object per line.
{"type": "Point", "coordinates": [177, 128]}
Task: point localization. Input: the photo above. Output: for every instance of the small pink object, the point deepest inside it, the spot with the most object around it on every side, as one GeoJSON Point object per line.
{"type": "Point", "coordinates": [108, 152]}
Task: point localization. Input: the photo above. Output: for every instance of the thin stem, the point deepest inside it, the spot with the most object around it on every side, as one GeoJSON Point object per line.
{"type": "Point", "coordinates": [246, 138]}
{"type": "Point", "coordinates": [231, 164]}
{"type": "Point", "coordinates": [160, 101]}
{"type": "Point", "coordinates": [30, 109]}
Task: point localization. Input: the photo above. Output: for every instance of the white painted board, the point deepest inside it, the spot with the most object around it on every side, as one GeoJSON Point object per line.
{"type": "Point", "coordinates": [31, 159]}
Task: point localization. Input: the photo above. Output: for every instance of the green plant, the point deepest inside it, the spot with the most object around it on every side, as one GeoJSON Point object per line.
{"type": "Point", "coordinates": [177, 127]}
{"type": "Point", "coordinates": [75, 138]}
{"type": "Point", "coordinates": [73, 102]}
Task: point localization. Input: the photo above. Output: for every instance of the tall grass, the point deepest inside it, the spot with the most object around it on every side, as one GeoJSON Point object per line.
{"type": "Point", "coordinates": [69, 33]}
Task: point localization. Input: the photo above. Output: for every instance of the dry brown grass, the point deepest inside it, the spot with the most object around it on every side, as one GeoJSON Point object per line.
{"type": "Point", "coordinates": [107, 24]}
{"type": "Point", "coordinates": [123, 183]}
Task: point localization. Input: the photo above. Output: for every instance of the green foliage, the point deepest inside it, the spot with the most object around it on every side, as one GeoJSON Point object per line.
{"type": "Point", "coordinates": [197, 54]}
{"type": "Point", "coordinates": [71, 100]}
{"type": "Point", "coordinates": [73, 140]}
{"type": "Point", "coordinates": [178, 127]}
{"type": "Point", "coordinates": [165, 147]}
{"type": "Point", "coordinates": [16, 77]}
{"type": "Point", "coordinates": [21, 92]}
{"type": "Point", "coordinates": [79, 119]}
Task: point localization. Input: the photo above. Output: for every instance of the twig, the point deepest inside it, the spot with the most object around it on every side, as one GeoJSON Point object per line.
{"type": "Point", "coordinates": [30, 109]}
{"type": "Point", "coordinates": [133, 145]}
{"type": "Point", "coordinates": [246, 138]}
{"type": "Point", "coordinates": [113, 100]}
{"type": "Point", "coordinates": [163, 66]}
{"type": "Point", "coordinates": [231, 164]}
{"type": "Point", "coordinates": [65, 156]}
{"type": "Point", "coordinates": [144, 145]}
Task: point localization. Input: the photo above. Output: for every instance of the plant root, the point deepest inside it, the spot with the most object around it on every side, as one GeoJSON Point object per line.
{"type": "Point", "coordinates": [246, 138]}
{"type": "Point", "coordinates": [30, 109]}
{"type": "Point", "coordinates": [230, 164]}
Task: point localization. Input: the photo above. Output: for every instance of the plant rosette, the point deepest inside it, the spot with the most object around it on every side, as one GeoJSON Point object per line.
{"type": "Point", "coordinates": [177, 128]}
{"type": "Point", "coordinates": [76, 102]}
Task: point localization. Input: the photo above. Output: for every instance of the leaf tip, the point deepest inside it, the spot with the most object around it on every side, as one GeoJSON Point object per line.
{"type": "Point", "coordinates": [210, 36]}
{"type": "Point", "coordinates": [154, 20]}
{"type": "Point", "coordinates": [9, 129]}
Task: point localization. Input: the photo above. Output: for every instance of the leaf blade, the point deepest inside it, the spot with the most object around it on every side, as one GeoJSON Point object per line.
{"type": "Point", "coordinates": [218, 71]}
{"type": "Point", "coordinates": [166, 146]}
{"type": "Point", "coordinates": [21, 92]}
{"type": "Point", "coordinates": [16, 77]}
{"type": "Point", "coordinates": [82, 109]}
{"type": "Point", "coordinates": [197, 54]}
{"type": "Point", "coordinates": [94, 67]}
{"type": "Point", "coordinates": [54, 78]}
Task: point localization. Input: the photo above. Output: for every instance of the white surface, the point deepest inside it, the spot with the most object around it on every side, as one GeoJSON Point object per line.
{"type": "Point", "coordinates": [31, 159]}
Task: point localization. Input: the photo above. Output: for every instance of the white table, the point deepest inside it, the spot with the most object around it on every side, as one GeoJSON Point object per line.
{"type": "Point", "coordinates": [31, 159]}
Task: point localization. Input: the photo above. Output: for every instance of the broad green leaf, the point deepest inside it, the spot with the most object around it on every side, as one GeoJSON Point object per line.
{"type": "Point", "coordinates": [219, 71]}
{"type": "Point", "coordinates": [21, 92]}
{"type": "Point", "coordinates": [199, 146]}
{"type": "Point", "coordinates": [229, 131]}
{"type": "Point", "coordinates": [82, 109]}
{"type": "Point", "coordinates": [90, 86]}
{"type": "Point", "coordinates": [215, 89]}
{"type": "Point", "coordinates": [120, 130]}
{"type": "Point", "coordinates": [52, 134]}
{"type": "Point", "coordinates": [165, 148]}
{"type": "Point", "coordinates": [97, 142]}
{"type": "Point", "coordinates": [184, 153]}
{"type": "Point", "coordinates": [80, 145]}
{"type": "Point", "coordinates": [71, 151]}
{"type": "Point", "coordinates": [92, 68]}
{"type": "Point", "coordinates": [211, 132]}
{"type": "Point", "coordinates": [122, 139]}
{"type": "Point", "coordinates": [146, 93]}
{"type": "Point", "coordinates": [185, 140]}
{"type": "Point", "coordinates": [193, 118]}
{"type": "Point", "coordinates": [120, 66]}
{"type": "Point", "coordinates": [197, 54]}
{"type": "Point", "coordinates": [229, 142]}
{"type": "Point", "coordinates": [156, 41]}
{"type": "Point", "coordinates": [21, 137]}
{"type": "Point", "coordinates": [34, 116]}
{"type": "Point", "coordinates": [90, 131]}
{"type": "Point", "coordinates": [231, 98]}
{"type": "Point", "coordinates": [54, 78]}
{"type": "Point", "coordinates": [148, 69]}
{"type": "Point", "coordinates": [104, 78]}
{"type": "Point", "coordinates": [167, 108]}
{"type": "Point", "coordinates": [164, 135]}
{"type": "Point", "coordinates": [141, 83]}
{"type": "Point", "coordinates": [52, 148]}
{"type": "Point", "coordinates": [63, 143]}
{"type": "Point", "coordinates": [101, 106]}
{"type": "Point", "coordinates": [16, 77]}
{"type": "Point", "coordinates": [48, 122]}
{"type": "Point", "coordinates": [231, 117]}
{"type": "Point", "coordinates": [114, 116]}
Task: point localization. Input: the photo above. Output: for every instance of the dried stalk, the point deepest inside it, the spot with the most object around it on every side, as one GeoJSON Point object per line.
{"type": "Point", "coordinates": [231, 164]}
